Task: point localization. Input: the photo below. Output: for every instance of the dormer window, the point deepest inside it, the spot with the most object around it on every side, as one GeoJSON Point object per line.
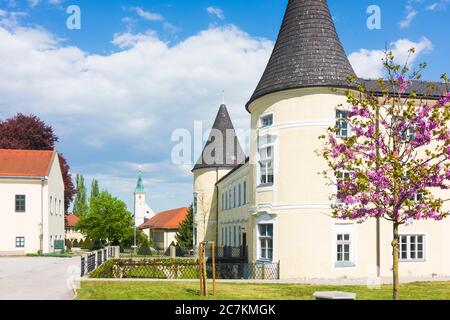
{"type": "Point", "coordinates": [267, 121]}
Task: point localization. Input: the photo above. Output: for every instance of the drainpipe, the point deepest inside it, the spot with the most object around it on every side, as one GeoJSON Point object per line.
{"type": "Point", "coordinates": [41, 231]}
{"type": "Point", "coordinates": [217, 207]}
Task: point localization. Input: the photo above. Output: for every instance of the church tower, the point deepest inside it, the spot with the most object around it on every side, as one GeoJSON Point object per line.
{"type": "Point", "coordinates": [220, 155]}
{"type": "Point", "coordinates": [142, 210]}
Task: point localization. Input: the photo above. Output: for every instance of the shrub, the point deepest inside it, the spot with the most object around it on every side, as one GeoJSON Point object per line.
{"type": "Point", "coordinates": [87, 244]}
{"type": "Point", "coordinates": [69, 244]}
{"type": "Point", "coordinates": [144, 251]}
{"type": "Point", "coordinates": [75, 244]}
{"type": "Point", "coordinates": [81, 243]}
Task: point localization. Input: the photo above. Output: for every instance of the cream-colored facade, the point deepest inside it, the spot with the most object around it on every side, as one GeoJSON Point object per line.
{"type": "Point", "coordinates": [297, 206]}
{"type": "Point", "coordinates": [42, 222]}
{"type": "Point", "coordinates": [277, 203]}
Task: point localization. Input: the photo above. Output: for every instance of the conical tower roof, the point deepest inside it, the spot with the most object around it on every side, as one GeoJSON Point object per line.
{"type": "Point", "coordinates": [222, 150]}
{"type": "Point", "coordinates": [308, 52]}
{"type": "Point", "coordinates": [139, 185]}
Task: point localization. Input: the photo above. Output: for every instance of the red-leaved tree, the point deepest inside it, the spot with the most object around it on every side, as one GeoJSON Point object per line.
{"type": "Point", "coordinates": [28, 132]}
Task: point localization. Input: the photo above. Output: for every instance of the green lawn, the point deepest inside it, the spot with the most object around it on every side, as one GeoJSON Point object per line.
{"type": "Point", "coordinates": [228, 291]}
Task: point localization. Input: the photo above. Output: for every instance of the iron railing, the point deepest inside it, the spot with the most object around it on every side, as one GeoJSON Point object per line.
{"type": "Point", "coordinates": [184, 269]}
{"type": "Point", "coordinates": [93, 260]}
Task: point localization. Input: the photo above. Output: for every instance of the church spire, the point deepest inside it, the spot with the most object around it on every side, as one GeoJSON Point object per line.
{"type": "Point", "coordinates": [222, 150]}
{"type": "Point", "coordinates": [140, 184]}
{"type": "Point", "coordinates": [308, 52]}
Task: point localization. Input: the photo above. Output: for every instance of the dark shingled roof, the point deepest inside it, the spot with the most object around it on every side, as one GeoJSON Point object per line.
{"type": "Point", "coordinates": [308, 52]}
{"type": "Point", "coordinates": [231, 151]}
{"type": "Point", "coordinates": [425, 89]}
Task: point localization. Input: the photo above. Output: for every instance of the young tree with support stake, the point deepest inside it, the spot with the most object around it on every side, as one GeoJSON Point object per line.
{"type": "Point", "coordinates": [396, 157]}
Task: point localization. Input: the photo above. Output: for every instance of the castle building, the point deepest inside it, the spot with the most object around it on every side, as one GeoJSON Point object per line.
{"type": "Point", "coordinates": [142, 211]}
{"type": "Point", "coordinates": [274, 202]}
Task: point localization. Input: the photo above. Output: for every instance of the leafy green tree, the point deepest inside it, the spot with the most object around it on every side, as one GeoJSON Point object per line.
{"type": "Point", "coordinates": [80, 206]}
{"type": "Point", "coordinates": [95, 190]}
{"type": "Point", "coordinates": [185, 235]}
{"type": "Point", "coordinates": [108, 219]}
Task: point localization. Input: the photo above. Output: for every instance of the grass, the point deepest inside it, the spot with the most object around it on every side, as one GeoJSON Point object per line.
{"type": "Point", "coordinates": [230, 291]}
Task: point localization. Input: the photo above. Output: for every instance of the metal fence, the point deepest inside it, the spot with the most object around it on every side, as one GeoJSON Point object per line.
{"type": "Point", "coordinates": [130, 253]}
{"type": "Point", "coordinates": [184, 269]}
{"type": "Point", "coordinates": [234, 253]}
{"type": "Point", "coordinates": [93, 260]}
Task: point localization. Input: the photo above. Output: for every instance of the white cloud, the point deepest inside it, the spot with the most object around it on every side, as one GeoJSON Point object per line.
{"type": "Point", "coordinates": [147, 15]}
{"type": "Point", "coordinates": [407, 20]}
{"type": "Point", "coordinates": [217, 12]}
{"type": "Point", "coordinates": [368, 63]}
{"type": "Point", "coordinates": [439, 5]}
{"type": "Point", "coordinates": [136, 96]}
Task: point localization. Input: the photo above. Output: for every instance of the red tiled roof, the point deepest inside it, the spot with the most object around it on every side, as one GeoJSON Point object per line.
{"type": "Point", "coordinates": [171, 219]}
{"type": "Point", "coordinates": [71, 220]}
{"type": "Point", "coordinates": [25, 163]}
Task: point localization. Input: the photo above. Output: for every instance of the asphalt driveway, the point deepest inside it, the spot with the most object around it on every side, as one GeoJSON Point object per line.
{"type": "Point", "coordinates": [36, 278]}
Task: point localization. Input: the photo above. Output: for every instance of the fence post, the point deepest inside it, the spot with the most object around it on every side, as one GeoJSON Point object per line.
{"type": "Point", "coordinates": [116, 252]}
{"type": "Point", "coordinates": [279, 269]}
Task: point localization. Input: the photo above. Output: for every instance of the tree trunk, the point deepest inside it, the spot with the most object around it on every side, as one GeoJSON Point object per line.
{"type": "Point", "coordinates": [396, 256]}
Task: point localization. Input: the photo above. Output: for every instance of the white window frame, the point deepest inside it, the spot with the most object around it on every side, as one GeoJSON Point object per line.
{"type": "Point", "coordinates": [245, 192]}
{"type": "Point", "coordinates": [408, 248]}
{"type": "Point", "coordinates": [264, 218]}
{"type": "Point", "coordinates": [24, 242]}
{"type": "Point", "coordinates": [349, 229]}
{"type": "Point", "coordinates": [263, 117]}
{"type": "Point", "coordinates": [269, 143]}
{"type": "Point", "coordinates": [339, 179]}
{"type": "Point", "coordinates": [339, 121]}
{"type": "Point", "coordinates": [24, 203]}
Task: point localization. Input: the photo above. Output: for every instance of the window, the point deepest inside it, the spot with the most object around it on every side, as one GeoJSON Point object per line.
{"type": "Point", "coordinates": [20, 242]}
{"type": "Point", "coordinates": [266, 157]}
{"type": "Point", "coordinates": [229, 199]}
{"type": "Point", "coordinates": [60, 208]}
{"type": "Point", "coordinates": [223, 201]}
{"type": "Point", "coordinates": [265, 241]}
{"type": "Point", "coordinates": [245, 192]}
{"type": "Point", "coordinates": [418, 197]}
{"type": "Point", "coordinates": [234, 197]}
{"type": "Point", "coordinates": [342, 126]}
{"type": "Point", "coordinates": [51, 203]}
{"type": "Point", "coordinates": [195, 204]}
{"type": "Point", "coordinates": [54, 208]}
{"type": "Point", "coordinates": [267, 121]}
{"type": "Point", "coordinates": [223, 237]}
{"type": "Point", "coordinates": [239, 196]}
{"type": "Point", "coordinates": [226, 236]}
{"type": "Point", "coordinates": [20, 203]}
{"type": "Point", "coordinates": [195, 236]}
{"type": "Point", "coordinates": [408, 134]}
{"type": "Point", "coordinates": [342, 177]}
{"type": "Point", "coordinates": [412, 248]}
{"type": "Point", "coordinates": [239, 236]}
{"type": "Point", "coordinates": [234, 236]}
{"type": "Point", "coordinates": [229, 236]}
{"type": "Point", "coordinates": [344, 245]}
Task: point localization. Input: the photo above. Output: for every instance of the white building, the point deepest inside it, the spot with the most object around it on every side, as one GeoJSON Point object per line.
{"type": "Point", "coordinates": [31, 201]}
{"type": "Point", "coordinates": [142, 211]}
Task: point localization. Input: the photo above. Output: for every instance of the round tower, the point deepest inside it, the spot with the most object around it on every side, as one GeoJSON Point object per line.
{"type": "Point", "coordinates": [295, 101]}
{"type": "Point", "coordinates": [221, 154]}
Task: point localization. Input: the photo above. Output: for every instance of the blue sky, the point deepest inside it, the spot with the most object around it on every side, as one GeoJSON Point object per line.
{"type": "Point", "coordinates": [137, 70]}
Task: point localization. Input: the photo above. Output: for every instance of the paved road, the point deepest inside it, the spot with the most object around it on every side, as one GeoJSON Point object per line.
{"type": "Point", "coordinates": [29, 278]}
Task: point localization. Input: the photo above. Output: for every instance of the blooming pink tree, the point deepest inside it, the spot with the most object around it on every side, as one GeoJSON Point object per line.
{"type": "Point", "coordinates": [394, 153]}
